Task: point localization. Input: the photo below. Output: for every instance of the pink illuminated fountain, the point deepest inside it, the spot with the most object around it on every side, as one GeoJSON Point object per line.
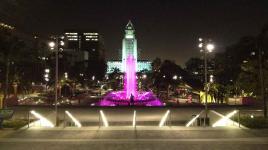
{"type": "Point", "coordinates": [130, 96]}
{"type": "Point", "coordinates": [130, 84]}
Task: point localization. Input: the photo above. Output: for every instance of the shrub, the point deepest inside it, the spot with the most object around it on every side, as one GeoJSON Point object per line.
{"type": "Point", "coordinates": [16, 124]}
{"type": "Point", "coordinates": [255, 123]}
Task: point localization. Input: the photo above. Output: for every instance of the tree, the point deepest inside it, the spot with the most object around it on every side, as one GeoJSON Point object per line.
{"type": "Point", "coordinates": [114, 78]}
{"type": "Point", "coordinates": [156, 64]}
{"type": "Point", "coordinates": [247, 79]}
{"type": "Point", "coordinates": [262, 47]}
{"type": "Point", "coordinates": [194, 65]}
{"type": "Point", "coordinates": [171, 75]}
{"type": "Point", "coordinates": [242, 68]}
{"type": "Point", "coordinates": [10, 49]}
{"type": "Point", "coordinates": [234, 61]}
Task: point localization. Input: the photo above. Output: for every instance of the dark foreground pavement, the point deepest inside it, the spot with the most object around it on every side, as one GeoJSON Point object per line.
{"type": "Point", "coordinates": [125, 138]}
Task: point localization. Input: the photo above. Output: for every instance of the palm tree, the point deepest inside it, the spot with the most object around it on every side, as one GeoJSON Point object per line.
{"type": "Point", "coordinates": [213, 91]}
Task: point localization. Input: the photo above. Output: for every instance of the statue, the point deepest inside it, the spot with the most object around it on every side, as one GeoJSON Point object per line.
{"type": "Point", "coordinates": [131, 99]}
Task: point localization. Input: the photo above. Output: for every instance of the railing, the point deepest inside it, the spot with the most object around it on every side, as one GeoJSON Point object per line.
{"type": "Point", "coordinates": [135, 117]}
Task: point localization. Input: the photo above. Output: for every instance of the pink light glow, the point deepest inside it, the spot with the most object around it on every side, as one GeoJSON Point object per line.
{"type": "Point", "coordinates": [130, 84]}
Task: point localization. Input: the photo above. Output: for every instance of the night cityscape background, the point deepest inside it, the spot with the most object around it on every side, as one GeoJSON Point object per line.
{"type": "Point", "coordinates": [172, 26]}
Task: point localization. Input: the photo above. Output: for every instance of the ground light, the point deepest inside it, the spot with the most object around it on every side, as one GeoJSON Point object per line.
{"type": "Point", "coordinates": [76, 122]}
{"type": "Point", "coordinates": [134, 119]}
{"type": "Point", "coordinates": [104, 119]}
{"type": "Point", "coordinates": [193, 119]}
{"type": "Point", "coordinates": [225, 120]}
{"type": "Point", "coordinates": [44, 122]}
{"type": "Point", "coordinates": [164, 118]}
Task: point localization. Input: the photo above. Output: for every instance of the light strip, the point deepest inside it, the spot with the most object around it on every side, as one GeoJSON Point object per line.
{"type": "Point", "coordinates": [193, 119]}
{"type": "Point", "coordinates": [76, 122]}
{"type": "Point", "coordinates": [225, 119]}
{"type": "Point", "coordinates": [44, 122]}
{"type": "Point", "coordinates": [164, 118]}
{"type": "Point", "coordinates": [104, 119]}
{"type": "Point", "coordinates": [134, 119]}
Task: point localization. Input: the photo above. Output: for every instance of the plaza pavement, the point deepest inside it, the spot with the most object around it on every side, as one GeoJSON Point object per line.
{"type": "Point", "coordinates": [129, 138]}
{"type": "Point", "coordinates": [121, 136]}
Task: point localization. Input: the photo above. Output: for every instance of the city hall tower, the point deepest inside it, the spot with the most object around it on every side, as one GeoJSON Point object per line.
{"type": "Point", "coordinates": [129, 45]}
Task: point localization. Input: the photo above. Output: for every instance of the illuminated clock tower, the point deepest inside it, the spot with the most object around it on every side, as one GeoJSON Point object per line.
{"type": "Point", "coordinates": [129, 45]}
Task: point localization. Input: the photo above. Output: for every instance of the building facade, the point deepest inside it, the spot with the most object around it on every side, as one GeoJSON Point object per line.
{"type": "Point", "coordinates": [129, 47]}
{"type": "Point", "coordinates": [85, 50]}
{"type": "Point", "coordinates": [89, 41]}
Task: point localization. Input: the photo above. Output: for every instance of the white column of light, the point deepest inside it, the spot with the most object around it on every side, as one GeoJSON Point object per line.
{"type": "Point", "coordinates": [134, 119]}
{"type": "Point", "coordinates": [193, 119]}
{"type": "Point", "coordinates": [225, 120]}
{"type": "Point", "coordinates": [76, 122]}
{"type": "Point", "coordinates": [164, 118]}
{"type": "Point", "coordinates": [44, 122]}
{"type": "Point", "coordinates": [104, 119]}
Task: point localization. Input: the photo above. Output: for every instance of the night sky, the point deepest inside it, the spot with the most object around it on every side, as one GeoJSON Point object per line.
{"type": "Point", "coordinates": [165, 29]}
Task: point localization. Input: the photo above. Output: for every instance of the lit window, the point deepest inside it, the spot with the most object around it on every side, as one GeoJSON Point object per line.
{"type": "Point", "coordinates": [71, 33]}
{"type": "Point", "coordinates": [129, 36]}
{"type": "Point", "coordinates": [253, 53]}
{"type": "Point", "coordinates": [91, 34]}
{"type": "Point", "coordinates": [71, 36]}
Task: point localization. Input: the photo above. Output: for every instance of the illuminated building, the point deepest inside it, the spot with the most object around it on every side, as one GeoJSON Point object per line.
{"type": "Point", "coordinates": [3, 25]}
{"type": "Point", "coordinates": [89, 41]}
{"type": "Point", "coordinates": [129, 47]}
{"type": "Point", "coordinates": [85, 48]}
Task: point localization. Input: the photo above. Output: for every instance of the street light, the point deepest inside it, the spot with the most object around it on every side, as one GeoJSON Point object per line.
{"type": "Point", "coordinates": [52, 46]}
{"type": "Point", "coordinates": [200, 45]}
{"type": "Point", "coordinates": [61, 43]}
{"type": "Point", "coordinates": [206, 47]}
{"type": "Point", "coordinates": [46, 76]}
{"type": "Point", "coordinates": [144, 76]}
{"type": "Point", "coordinates": [210, 47]}
{"type": "Point", "coordinates": [47, 70]}
{"type": "Point", "coordinates": [66, 75]}
{"type": "Point", "coordinates": [211, 80]}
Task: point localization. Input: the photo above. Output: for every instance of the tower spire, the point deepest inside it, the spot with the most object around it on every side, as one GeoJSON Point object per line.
{"type": "Point", "coordinates": [129, 25]}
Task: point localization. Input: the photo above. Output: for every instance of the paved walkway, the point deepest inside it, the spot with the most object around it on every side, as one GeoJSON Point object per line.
{"type": "Point", "coordinates": [128, 138]}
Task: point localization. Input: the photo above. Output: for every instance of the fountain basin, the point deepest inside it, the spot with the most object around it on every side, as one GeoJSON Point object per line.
{"type": "Point", "coordinates": [118, 98]}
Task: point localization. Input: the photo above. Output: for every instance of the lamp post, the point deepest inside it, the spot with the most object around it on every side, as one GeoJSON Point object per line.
{"type": "Point", "coordinates": [206, 47]}
{"type": "Point", "coordinates": [261, 75]}
{"type": "Point", "coordinates": [55, 45]}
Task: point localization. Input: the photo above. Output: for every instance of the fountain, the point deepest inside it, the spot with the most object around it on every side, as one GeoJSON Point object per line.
{"type": "Point", "coordinates": [130, 96]}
